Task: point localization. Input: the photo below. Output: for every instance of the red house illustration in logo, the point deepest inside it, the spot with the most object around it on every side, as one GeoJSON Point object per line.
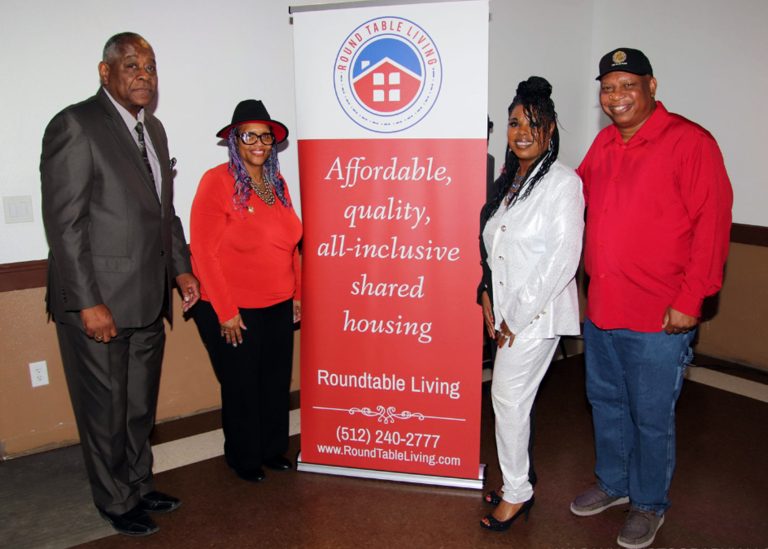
{"type": "Point", "coordinates": [386, 86]}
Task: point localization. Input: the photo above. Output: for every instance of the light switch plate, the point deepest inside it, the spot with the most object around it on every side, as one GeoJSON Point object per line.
{"type": "Point", "coordinates": [17, 209]}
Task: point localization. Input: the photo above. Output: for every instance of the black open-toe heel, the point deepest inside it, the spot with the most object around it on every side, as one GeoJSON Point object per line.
{"type": "Point", "coordinates": [496, 525]}
{"type": "Point", "coordinates": [493, 497]}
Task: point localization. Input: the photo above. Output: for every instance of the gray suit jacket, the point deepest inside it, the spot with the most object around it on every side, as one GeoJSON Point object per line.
{"type": "Point", "coordinates": [111, 241]}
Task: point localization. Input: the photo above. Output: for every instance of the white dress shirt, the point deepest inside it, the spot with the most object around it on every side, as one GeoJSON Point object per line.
{"type": "Point", "coordinates": [130, 122]}
{"type": "Point", "coordinates": [534, 249]}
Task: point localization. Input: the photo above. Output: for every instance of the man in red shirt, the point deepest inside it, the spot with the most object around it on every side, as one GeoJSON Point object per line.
{"type": "Point", "coordinates": [658, 224]}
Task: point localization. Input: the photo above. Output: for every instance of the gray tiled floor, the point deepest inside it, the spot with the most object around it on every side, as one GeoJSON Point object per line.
{"type": "Point", "coordinates": [31, 491]}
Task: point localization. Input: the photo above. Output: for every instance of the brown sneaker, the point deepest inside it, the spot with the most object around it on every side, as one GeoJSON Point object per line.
{"type": "Point", "coordinates": [595, 501]}
{"type": "Point", "coordinates": [639, 529]}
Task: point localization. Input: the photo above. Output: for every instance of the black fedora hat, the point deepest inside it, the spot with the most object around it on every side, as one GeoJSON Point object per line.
{"type": "Point", "coordinates": [253, 110]}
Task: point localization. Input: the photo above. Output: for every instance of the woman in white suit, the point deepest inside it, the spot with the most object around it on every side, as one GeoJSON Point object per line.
{"type": "Point", "coordinates": [533, 237]}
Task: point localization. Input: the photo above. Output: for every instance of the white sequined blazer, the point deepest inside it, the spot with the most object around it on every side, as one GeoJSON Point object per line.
{"type": "Point", "coordinates": [534, 249]}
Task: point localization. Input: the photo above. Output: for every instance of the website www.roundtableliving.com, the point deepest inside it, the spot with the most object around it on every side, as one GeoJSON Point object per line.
{"type": "Point", "coordinates": [385, 453]}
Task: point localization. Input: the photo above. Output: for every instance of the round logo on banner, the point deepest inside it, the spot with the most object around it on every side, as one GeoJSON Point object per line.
{"type": "Point", "coordinates": [387, 74]}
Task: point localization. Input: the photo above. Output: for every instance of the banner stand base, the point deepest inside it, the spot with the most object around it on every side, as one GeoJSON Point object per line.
{"type": "Point", "coordinates": [475, 484]}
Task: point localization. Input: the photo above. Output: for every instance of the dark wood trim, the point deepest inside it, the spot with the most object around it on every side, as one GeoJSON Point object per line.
{"type": "Point", "coordinates": [754, 235]}
{"type": "Point", "coordinates": [295, 400]}
{"type": "Point", "coordinates": [32, 274]}
{"type": "Point", "coordinates": [24, 275]}
{"type": "Point", "coordinates": [744, 371]}
{"type": "Point", "coordinates": [195, 424]}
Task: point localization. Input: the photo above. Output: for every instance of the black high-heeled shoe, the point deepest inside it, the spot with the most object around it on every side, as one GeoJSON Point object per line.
{"type": "Point", "coordinates": [496, 525]}
{"type": "Point", "coordinates": [493, 497]}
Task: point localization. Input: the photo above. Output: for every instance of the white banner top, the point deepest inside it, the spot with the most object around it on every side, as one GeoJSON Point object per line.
{"type": "Point", "coordinates": [391, 77]}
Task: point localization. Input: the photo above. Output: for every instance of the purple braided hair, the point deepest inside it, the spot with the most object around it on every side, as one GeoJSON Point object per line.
{"type": "Point", "coordinates": [243, 189]}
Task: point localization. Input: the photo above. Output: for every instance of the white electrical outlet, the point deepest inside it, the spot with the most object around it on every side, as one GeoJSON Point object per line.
{"type": "Point", "coordinates": [38, 371]}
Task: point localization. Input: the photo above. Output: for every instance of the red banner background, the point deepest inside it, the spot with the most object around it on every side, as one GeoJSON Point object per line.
{"type": "Point", "coordinates": [391, 334]}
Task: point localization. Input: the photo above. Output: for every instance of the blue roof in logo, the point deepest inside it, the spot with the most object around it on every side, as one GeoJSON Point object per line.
{"type": "Point", "coordinates": [391, 48]}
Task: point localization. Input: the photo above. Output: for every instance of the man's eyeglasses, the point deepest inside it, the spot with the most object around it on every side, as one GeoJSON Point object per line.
{"type": "Point", "coordinates": [250, 138]}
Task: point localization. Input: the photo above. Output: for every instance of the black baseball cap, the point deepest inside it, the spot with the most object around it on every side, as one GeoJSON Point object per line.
{"type": "Point", "coordinates": [625, 60]}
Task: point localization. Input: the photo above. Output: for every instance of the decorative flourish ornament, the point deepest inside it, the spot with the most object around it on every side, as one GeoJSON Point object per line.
{"type": "Point", "coordinates": [386, 414]}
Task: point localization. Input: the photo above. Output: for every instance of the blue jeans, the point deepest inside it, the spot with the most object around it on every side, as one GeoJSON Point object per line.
{"type": "Point", "coordinates": [633, 382]}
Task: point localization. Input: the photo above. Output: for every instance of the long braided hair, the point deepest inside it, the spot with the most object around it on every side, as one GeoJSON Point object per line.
{"type": "Point", "coordinates": [243, 188]}
{"type": "Point", "coordinates": [535, 96]}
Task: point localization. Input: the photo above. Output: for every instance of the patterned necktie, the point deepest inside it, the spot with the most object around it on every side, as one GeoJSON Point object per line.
{"type": "Point", "coordinates": [143, 149]}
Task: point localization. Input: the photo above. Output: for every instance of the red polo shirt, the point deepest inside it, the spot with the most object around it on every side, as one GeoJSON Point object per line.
{"type": "Point", "coordinates": [658, 222]}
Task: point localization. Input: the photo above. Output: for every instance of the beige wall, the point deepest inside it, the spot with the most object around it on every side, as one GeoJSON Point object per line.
{"type": "Point", "coordinates": [35, 419]}
{"type": "Point", "coordinates": [30, 418]}
{"type": "Point", "coordinates": [739, 330]}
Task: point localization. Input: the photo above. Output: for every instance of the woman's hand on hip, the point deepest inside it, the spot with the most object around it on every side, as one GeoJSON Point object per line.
{"type": "Point", "coordinates": [485, 301]}
{"type": "Point", "coordinates": [504, 335]}
{"type": "Point", "coordinates": [231, 330]}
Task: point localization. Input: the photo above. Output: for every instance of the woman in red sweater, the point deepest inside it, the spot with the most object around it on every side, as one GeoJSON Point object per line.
{"type": "Point", "coordinates": [244, 240]}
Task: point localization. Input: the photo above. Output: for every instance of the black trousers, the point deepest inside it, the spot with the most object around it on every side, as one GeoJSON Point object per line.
{"type": "Point", "coordinates": [255, 379]}
{"type": "Point", "coordinates": [113, 387]}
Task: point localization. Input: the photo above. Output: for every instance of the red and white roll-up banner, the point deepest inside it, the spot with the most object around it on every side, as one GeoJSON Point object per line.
{"type": "Point", "coordinates": [391, 123]}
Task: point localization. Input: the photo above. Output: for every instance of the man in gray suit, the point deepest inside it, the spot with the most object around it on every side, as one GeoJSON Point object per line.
{"type": "Point", "coordinates": [116, 247]}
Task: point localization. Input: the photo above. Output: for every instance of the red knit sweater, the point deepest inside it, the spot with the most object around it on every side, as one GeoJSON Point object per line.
{"type": "Point", "coordinates": [242, 258]}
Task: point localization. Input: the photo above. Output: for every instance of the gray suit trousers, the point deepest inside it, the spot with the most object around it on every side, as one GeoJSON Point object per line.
{"type": "Point", "coordinates": [113, 387]}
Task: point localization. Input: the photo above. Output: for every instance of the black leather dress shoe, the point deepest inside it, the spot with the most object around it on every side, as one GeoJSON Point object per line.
{"type": "Point", "coordinates": [251, 475]}
{"type": "Point", "coordinates": [135, 522]}
{"type": "Point", "coordinates": [158, 502]}
{"type": "Point", "coordinates": [278, 463]}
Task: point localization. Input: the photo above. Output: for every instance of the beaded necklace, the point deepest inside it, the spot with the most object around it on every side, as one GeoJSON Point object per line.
{"type": "Point", "coordinates": [517, 182]}
{"type": "Point", "coordinates": [265, 193]}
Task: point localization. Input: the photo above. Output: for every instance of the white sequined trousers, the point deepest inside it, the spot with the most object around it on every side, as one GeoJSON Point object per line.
{"type": "Point", "coordinates": [517, 373]}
